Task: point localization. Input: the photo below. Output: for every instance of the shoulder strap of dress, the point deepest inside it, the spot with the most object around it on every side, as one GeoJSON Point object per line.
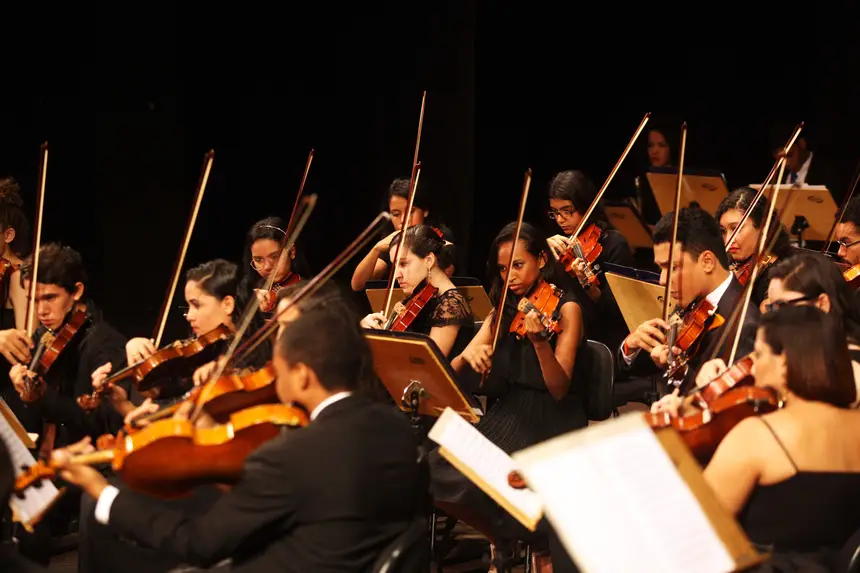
{"type": "Point", "coordinates": [781, 445]}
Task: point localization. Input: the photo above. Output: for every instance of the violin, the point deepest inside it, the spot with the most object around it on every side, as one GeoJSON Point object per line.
{"type": "Point", "coordinates": [403, 318]}
{"type": "Point", "coordinates": [738, 374]}
{"type": "Point", "coordinates": [546, 300]}
{"type": "Point", "coordinates": [171, 457]}
{"type": "Point", "coordinates": [586, 247]}
{"type": "Point", "coordinates": [687, 325]}
{"type": "Point", "coordinates": [270, 296]}
{"type": "Point", "coordinates": [236, 391]}
{"type": "Point", "coordinates": [743, 272]}
{"type": "Point", "coordinates": [173, 360]}
{"type": "Point", "coordinates": [51, 345]}
{"type": "Point", "coordinates": [704, 430]}
{"type": "Point", "coordinates": [852, 276]}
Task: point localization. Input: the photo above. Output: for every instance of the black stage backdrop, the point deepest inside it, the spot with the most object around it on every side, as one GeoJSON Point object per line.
{"type": "Point", "coordinates": [133, 101]}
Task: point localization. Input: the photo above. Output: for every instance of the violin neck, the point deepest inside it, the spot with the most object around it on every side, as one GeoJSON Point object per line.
{"type": "Point", "coordinates": [94, 458]}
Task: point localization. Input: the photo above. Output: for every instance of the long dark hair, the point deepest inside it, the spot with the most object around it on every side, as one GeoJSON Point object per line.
{"type": "Point", "coordinates": [818, 366]}
{"type": "Point", "coordinates": [741, 199]}
{"type": "Point", "coordinates": [574, 186]}
{"type": "Point", "coordinates": [12, 216]}
{"type": "Point", "coordinates": [812, 274]}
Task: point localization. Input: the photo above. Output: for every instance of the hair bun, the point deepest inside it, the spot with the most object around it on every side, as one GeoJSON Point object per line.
{"type": "Point", "coordinates": [10, 192]}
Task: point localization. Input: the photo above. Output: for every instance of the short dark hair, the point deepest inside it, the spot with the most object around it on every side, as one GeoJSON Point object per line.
{"type": "Point", "coordinates": [697, 232]}
{"type": "Point", "coordinates": [852, 212]}
{"type": "Point", "coordinates": [818, 366]}
{"type": "Point", "coordinates": [311, 338]}
{"type": "Point", "coordinates": [400, 188]}
{"type": "Point", "coordinates": [58, 265]}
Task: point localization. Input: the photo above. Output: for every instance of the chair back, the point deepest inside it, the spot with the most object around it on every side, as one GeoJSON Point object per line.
{"type": "Point", "coordinates": [599, 381]}
{"type": "Point", "coordinates": [848, 559]}
{"type": "Point", "coordinates": [409, 553]}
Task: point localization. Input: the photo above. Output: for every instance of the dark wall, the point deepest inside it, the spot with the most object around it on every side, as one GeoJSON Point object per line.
{"type": "Point", "coordinates": [137, 106]}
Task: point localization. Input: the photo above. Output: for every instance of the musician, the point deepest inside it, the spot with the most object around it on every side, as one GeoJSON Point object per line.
{"type": "Point", "coordinates": [328, 497]}
{"type": "Point", "coordinates": [10, 560]}
{"type": "Point", "coordinates": [802, 166]}
{"type": "Point", "coordinates": [212, 293]}
{"type": "Point", "coordinates": [530, 381]}
{"type": "Point", "coordinates": [745, 244]}
{"type": "Point", "coordinates": [571, 193]}
{"type": "Point", "coordinates": [660, 154]}
{"type": "Point", "coordinates": [16, 246]}
{"type": "Point", "coordinates": [262, 254]}
{"type": "Point", "coordinates": [848, 233]}
{"type": "Point", "coordinates": [700, 272]}
{"type": "Point", "coordinates": [60, 291]}
{"type": "Point", "coordinates": [447, 317]}
{"type": "Point", "coordinates": [375, 265]}
{"type": "Point", "coordinates": [792, 477]}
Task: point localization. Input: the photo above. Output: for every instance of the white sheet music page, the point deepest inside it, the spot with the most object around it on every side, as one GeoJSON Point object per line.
{"type": "Point", "coordinates": [487, 461]}
{"type": "Point", "coordinates": [613, 485]}
{"type": "Point", "coordinates": [36, 499]}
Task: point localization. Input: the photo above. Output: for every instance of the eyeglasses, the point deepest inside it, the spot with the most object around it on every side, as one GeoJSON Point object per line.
{"type": "Point", "coordinates": [260, 263]}
{"type": "Point", "coordinates": [777, 304]}
{"type": "Point", "coordinates": [564, 212]}
{"type": "Point", "coordinates": [846, 245]}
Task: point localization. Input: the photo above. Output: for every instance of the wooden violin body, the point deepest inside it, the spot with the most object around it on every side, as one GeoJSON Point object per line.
{"type": "Point", "coordinates": [236, 391]}
{"type": "Point", "coordinates": [704, 430]}
{"type": "Point", "coordinates": [586, 247]}
{"type": "Point", "coordinates": [738, 374]}
{"type": "Point", "coordinates": [409, 312]}
{"type": "Point", "coordinates": [744, 271]}
{"type": "Point", "coordinates": [688, 326]}
{"type": "Point", "coordinates": [546, 300]}
{"type": "Point", "coordinates": [170, 457]}
{"type": "Point", "coordinates": [270, 297]}
{"type": "Point", "coordinates": [50, 347]}
{"type": "Point", "coordinates": [852, 276]}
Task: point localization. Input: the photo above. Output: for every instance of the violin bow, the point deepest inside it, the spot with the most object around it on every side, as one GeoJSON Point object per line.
{"type": "Point", "coordinates": [842, 210]}
{"type": "Point", "coordinates": [315, 283]}
{"type": "Point", "coordinates": [612, 173]}
{"type": "Point", "coordinates": [183, 249]}
{"type": "Point", "coordinates": [758, 254]}
{"type": "Point", "coordinates": [37, 239]}
{"type": "Point", "coordinates": [307, 205]}
{"type": "Point", "coordinates": [285, 251]}
{"type": "Point", "coordinates": [676, 214]}
{"type": "Point", "coordinates": [764, 186]}
{"type": "Point", "coordinates": [413, 185]}
{"type": "Point", "coordinates": [497, 316]}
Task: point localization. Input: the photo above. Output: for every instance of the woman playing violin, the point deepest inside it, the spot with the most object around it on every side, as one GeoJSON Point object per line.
{"type": "Point", "coordinates": [792, 477]}
{"type": "Point", "coordinates": [528, 379]}
{"type": "Point", "coordinates": [446, 316]}
{"type": "Point", "coordinates": [16, 246]}
{"type": "Point", "coordinates": [262, 255]}
{"type": "Point", "coordinates": [570, 195]}
{"type": "Point", "coordinates": [211, 292]}
{"type": "Point", "coordinates": [375, 265]}
{"type": "Point", "coordinates": [746, 241]}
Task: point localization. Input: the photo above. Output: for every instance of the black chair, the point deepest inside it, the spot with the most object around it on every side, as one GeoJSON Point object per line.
{"type": "Point", "coordinates": [599, 377]}
{"type": "Point", "coordinates": [409, 553]}
{"type": "Point", "coordinates": [848, 559]}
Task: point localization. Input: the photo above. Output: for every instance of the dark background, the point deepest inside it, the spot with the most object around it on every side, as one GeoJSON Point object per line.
{"type": "Point", "coordinates": [132, 101]}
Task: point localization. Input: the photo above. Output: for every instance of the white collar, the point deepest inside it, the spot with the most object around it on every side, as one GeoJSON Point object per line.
{"type": "Point", "coordinates": [328, 402]}
{"type": "Point", "coordinates": [716, 294]}
{"type": "Point", "coordinates": [804, 169]}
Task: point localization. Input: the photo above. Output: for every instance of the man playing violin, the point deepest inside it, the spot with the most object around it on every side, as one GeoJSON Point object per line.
{"type": "Point", "coordinates": [701, 272]}
{"type": "Point", "coordinates": [327, 497]}
{"type": "Point", "coordinates": [848, 233]}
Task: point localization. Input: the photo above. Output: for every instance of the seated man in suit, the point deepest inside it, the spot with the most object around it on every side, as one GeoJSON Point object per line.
{"type": "Point", "coordinates": [328, 497]}
{"type": "Point", "coordinates": [701, 271]}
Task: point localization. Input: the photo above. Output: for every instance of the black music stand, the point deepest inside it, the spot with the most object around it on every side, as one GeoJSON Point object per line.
{"type": "Point", "coordinates": [418, 377]}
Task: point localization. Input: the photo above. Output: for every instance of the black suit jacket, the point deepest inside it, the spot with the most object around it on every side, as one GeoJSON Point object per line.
{"type": "Point", "coordinates": [708, 347]}
{"type": "Point", "coordinates": [326, 498]}
{"type": "Point", "coordinates": [12, 562]}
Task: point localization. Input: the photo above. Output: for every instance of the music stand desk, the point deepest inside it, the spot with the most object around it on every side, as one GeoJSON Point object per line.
{"type": "Point", "coordinates": [626, 218]}
{"type": "Point", "coordinates": [813, 202]}
{"type": "Point", "coordinates": [706, 187]}
{"type": "Point", "coordinates": [417, 375]}
{"type": "Point", "coordinates": [638, 300]}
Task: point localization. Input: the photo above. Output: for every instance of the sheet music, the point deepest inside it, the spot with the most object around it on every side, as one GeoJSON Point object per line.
{"type": "Point", "coordinates": [623, 491]}
{"type": "Point", "coordinates": [36, 499]}
{"type": "Point", "coordinates": [488, 462]}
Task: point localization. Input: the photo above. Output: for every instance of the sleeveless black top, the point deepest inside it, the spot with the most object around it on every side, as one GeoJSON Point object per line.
{"type": "Point", "coordinates": [807, 512]}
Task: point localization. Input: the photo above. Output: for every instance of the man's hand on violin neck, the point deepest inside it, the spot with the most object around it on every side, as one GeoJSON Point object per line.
{"type": "Point", "coordinates": [648, 335]}
{"type": "Point", "coordinates": [15, 346]}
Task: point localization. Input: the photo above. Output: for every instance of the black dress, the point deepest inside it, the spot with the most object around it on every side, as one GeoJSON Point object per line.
{"type": "Point", "coordinates": [449, 308]}
{"type": "Point", "coordinates": [521, 413]}
{"type": "Point", "coordinates": [804, 520]}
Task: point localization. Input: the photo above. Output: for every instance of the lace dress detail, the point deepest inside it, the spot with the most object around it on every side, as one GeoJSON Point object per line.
{"type": "Point", "coordinates": [451, 309]}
